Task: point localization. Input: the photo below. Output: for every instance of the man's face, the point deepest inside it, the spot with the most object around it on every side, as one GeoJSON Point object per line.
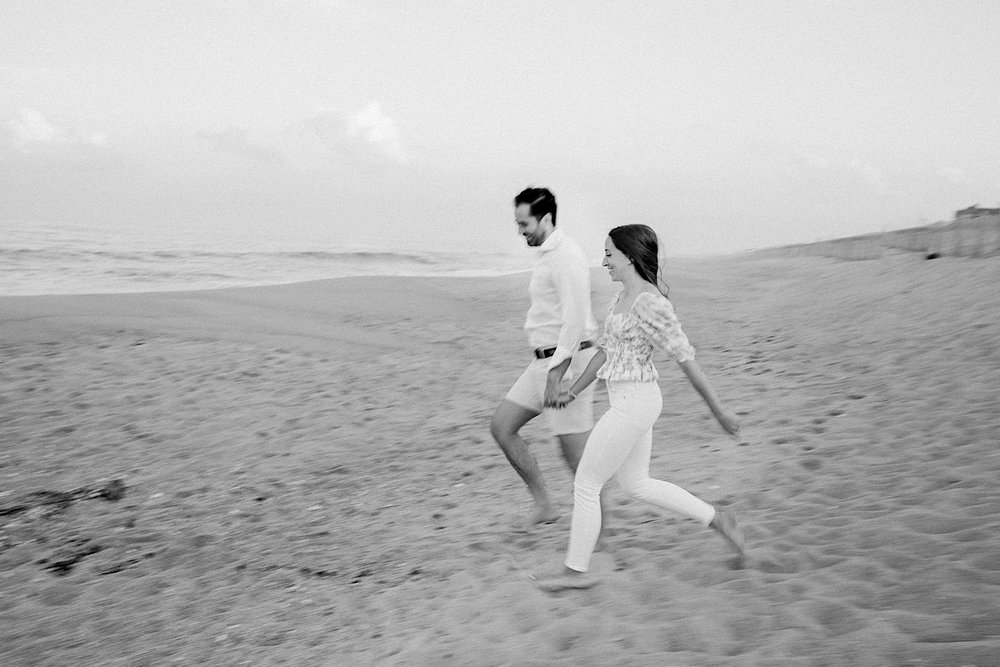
{"type": "Point", "coordinates": [528, 226]}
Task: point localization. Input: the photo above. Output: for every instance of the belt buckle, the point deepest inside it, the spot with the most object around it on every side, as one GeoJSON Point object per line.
{"type": "Point", "coordinates": [546, 352]}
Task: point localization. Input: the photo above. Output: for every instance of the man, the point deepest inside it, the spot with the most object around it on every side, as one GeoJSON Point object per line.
{"type": "Point", "coordinates": [562, 335]}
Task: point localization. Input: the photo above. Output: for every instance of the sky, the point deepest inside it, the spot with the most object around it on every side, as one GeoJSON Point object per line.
{"type": "Point", "coordinates": [726, 126]}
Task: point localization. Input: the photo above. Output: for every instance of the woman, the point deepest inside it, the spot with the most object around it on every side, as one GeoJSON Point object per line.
{"type": "Point", "coordinates": [640, 320]}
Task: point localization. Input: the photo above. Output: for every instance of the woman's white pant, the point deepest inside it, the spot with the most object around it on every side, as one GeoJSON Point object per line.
{"type": "Point", "coordinates": [622, 442]}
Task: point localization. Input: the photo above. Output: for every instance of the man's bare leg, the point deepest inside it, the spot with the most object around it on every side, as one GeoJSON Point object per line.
{"type": "Point", "coordinates": [507, 421]}
{"type": "Point", "coordinates": [572, 445]}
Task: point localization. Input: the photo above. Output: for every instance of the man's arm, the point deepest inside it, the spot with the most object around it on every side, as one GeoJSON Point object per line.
{"type": "Point", "coordinates": [588, 375]}
{"type": "Point", "coordinates": [572, 281]}
{"type": "Point", "coordinates": [553, 383]}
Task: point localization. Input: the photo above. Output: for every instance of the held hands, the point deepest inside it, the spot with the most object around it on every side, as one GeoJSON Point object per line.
{"type": "Point", "coordinates": [557, 396]}
{"type": "Point", "coordinates": [565, 398]}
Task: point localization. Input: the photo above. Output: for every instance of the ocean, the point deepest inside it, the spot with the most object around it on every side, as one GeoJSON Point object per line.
{"type": "Point", "coordinates": [51, 258]}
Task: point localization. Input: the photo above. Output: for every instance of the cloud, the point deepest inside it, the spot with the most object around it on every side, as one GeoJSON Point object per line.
{"type": "Point", "coordinates": [325, 4]}
{"type": "Point", "coordinates": [9, 70]}
{"type": "Point", "coordinates": [31, 127]}
{"type": "Point", "coordinates": [341, 10]}
{"type": "Point", "coordinates": [369, 129]}
{"type": "Point", "coordinates": [378, 129]}
{"type": "Point", "coordinates": [20, 78]}
{"type": "Point", "coordinates": [235, 142]}
{"type": "Point", "coordinates": [954, 175]}
{"type": "Point", "coordinates": [816, 161]}
{"type": "Point", "coordinates": [328, 4]}
{"type": "Point", "coordinates": [867, 172]}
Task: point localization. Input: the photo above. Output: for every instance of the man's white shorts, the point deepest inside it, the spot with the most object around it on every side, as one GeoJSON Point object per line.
{"type": "Point", "coordinates": [529, 392]}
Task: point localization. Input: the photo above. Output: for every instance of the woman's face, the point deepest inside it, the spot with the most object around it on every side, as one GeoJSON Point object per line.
{"type": "Point", "coordinates": [616, 263]}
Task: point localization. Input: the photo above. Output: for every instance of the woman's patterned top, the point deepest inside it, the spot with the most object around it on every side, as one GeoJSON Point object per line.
{"type": "Point", "coordinates": [630, 338]}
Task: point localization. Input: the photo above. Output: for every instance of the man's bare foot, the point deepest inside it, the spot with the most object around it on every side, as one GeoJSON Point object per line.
{"type": "Point", "coordinates": [725, 523]}
{"type": "Point", "coordinates": [565, 580]}
{"type": "Point", "coordinates": [544, 514]}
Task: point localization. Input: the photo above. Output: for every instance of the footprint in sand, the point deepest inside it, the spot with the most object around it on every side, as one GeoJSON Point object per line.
{"type": "Point", "coordinates": [774, 561]}
{"type": "Point", "coordinates": [59, 595]}
{"type": "Point", "coordinates": [835, 618]}
{"type": "Point", "coordinates": [812, 464]}
{"type": "Point", "coordinates": [989, 562]}
{"type": "Point", "coordinates": [934, 524]}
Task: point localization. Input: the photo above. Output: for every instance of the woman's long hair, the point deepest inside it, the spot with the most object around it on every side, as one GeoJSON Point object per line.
{"type": "Point", "coordinates": [642, 247]}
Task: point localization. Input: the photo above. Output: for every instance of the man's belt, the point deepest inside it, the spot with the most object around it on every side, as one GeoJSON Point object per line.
{"type": "Point", "coordinates": [546, 352]}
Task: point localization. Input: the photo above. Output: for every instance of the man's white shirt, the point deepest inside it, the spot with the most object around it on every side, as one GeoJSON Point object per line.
{"type": "Point", "coordinates": [560, 312]}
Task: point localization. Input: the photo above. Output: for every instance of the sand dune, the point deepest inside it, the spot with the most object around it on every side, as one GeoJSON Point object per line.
{"type": "Point", "coordinates": [309, 477]}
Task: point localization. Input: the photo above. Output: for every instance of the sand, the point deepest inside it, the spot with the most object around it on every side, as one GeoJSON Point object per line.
{"type": "Point", "coordinates": [308, 476]}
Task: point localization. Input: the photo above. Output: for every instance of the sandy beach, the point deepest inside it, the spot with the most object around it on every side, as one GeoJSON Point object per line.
{"type": "Point", "coordinates": [305, 476]}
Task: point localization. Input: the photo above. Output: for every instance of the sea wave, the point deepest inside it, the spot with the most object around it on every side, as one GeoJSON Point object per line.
{"type": "Point", "coordinates": [155, 255]}
{"type": "Point", "coordinates": [67, 268]}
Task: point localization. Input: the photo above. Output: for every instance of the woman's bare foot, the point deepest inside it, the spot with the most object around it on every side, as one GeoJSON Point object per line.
{"type": "Point", "coordinates": [565, 580]}
{"type": "Point", "coordinates": [725, 523]}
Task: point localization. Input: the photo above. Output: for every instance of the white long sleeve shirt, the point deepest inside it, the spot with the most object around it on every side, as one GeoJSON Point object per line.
{"type": "Point", "coordinates": [560, 312]}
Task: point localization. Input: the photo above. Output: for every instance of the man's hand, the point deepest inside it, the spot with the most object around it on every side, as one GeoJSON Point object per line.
{"type": "Point", "coordinates": [553, 385]}
{"type": "Point", "coordinates": [553, 390]}
{"type": "Point", "coordinates": [564, 399]}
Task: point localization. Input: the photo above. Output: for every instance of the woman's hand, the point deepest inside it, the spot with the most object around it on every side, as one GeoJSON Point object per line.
{"type": "Point", "coordinates": [565, 398]}
{"type": "Point", "coordinates": [728, 421]}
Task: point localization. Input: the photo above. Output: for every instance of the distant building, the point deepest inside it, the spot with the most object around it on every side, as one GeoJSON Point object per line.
{"type": "Point", "coordinates": [974, 212]}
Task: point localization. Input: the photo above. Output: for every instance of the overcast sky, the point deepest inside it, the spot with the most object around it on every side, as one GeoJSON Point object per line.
{"type": "Point", "coordinates": [725, 125]}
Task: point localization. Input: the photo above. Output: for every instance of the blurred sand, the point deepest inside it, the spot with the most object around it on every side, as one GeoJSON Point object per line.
{"type": "Point", "coordinates": [311, 480]}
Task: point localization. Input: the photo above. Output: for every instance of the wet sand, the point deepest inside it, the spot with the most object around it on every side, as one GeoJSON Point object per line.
{"type": "Point", "coordinates": [309, 477]}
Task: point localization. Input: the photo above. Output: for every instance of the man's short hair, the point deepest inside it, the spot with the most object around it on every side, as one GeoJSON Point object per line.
{"type": "Point", "coordinates": [540, 201]}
